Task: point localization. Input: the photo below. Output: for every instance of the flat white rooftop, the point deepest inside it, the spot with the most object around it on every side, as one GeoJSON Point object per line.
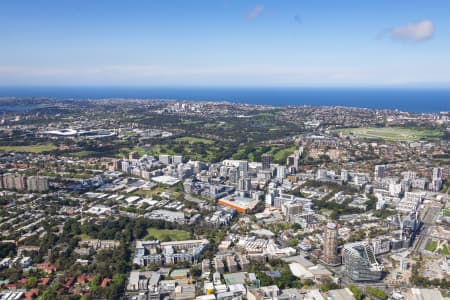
{"type": "Point", "coordinates": [169, 180]}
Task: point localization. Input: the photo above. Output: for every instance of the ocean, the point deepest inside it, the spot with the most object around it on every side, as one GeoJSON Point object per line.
{"type": "Point", "coordinates": [417, 100]}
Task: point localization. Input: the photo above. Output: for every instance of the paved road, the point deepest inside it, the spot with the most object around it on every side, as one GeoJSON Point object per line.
{"type": "Point", "coordinates": [428, 219]}
{"type": "Point", "coordinates": [431, 215]}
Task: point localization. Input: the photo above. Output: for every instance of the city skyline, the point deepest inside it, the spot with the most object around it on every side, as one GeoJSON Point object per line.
{"type": "Point", "coordinates": [224, 149]}
{"type": "Point", "coordinates": [225, 43]}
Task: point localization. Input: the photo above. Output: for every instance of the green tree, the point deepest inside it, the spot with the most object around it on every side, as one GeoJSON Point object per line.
{"type": "Point", "coordinates": [286, 279]}
{"type": "Point", "coordinates": [95, 282]}
{"type": "Point", "coordinates": [356, 292]}
{"type": "Point", "coordinates": [293, 242]}
{"type": "Point", "coordinates": [31, 282]}
{"type": "Point", "coordinates": [265, 280]}
{"type": "Point", "coordinates": [327, 285]}
{"type": "Point", "coordinates": [47, 295]}
{"type": "Point", "coordinates": [7, 249]}
{"type": "Point", "coordinates": [118, 279]}
{"type": "Point", "coordinates": [377, 293]}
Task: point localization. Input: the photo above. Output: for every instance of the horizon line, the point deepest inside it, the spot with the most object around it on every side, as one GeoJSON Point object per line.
{"type": "Point", "coordinates": [381, 86]}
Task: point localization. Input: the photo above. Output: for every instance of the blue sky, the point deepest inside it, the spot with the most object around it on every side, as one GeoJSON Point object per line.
{"type": "Point", "coordinates": [225, 42]}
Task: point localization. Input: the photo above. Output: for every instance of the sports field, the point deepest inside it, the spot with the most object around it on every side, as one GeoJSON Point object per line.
{"type": "Point", "coordinates": [167, 234]}
{"type": "Point", "coordinates": [84, 237]}
{"type": "Point", "coordinates": [392, 133]}
{"type": "Point", "coordinates": [191, 140]}
{"type": "Point", "coordinates": [29, 149]}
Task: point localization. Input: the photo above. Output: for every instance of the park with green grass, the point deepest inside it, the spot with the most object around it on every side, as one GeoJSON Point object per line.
{"type": "Point", "coordinates": [166, 234]}
{"type": "Point", "coordinates": [392, 133]}
{"type": "Point", "coordinates": [84, 236]}
{"type": "Point", "coordinates": [438, 246]}
{"type": "Point", "coordinates": [192, 140]}
{"type": "Point", "coordinates": [29, 149]}
{"type": "Point", "coordinates": [431, 245]}
{"type": "Point", "coordinates": [278, 153]}
{"type": "Point", "coordinates": [190, 147]}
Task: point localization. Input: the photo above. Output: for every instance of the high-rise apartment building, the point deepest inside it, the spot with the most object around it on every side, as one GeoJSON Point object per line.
{"type": "Point", "coordinates": [437, 173]}
{"type": "Point", "coordinates": [37, 184]}
{"type": "Point", "coordinates": [281, 172]}
{"type": "Point", "coordinates": [245, 184]}
{"type": "Point", "coordinates": [360, 263]}
{"type": "Point", "coordinates": [177, 159]}
{"type": "Point", "coordinates": [165, 159]}
{"type": "Point", "coordinates": [330, 245]}
{"type": "Point", "coordinates": [265, 160]}
{"type": "Point", "coordinates": [243, 168]}
{"type": "Point", "coordinates": [436, 183]}
{"type": "Point", "coordinates": [133, 155]}
{"type": "Point", "coordinates": [12, 181]}
{"type": "Point", "coordinates": [380, 171]}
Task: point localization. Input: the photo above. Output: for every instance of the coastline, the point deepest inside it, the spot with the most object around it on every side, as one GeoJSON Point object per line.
{"type": "Point", "coordinates": [414, 100]}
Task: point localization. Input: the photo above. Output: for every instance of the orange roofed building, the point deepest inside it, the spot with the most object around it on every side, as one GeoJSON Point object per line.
{"type": "Point", "coordinates": [239, 202]}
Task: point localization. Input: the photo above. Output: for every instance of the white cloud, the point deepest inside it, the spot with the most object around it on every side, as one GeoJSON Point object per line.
{"type": "Point", "coordinates": [255, 12]}
{"type": "Point", "coordinates": [416, 32]}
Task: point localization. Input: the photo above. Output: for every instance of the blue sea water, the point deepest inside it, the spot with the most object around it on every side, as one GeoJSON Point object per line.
{"type": "Point", "coordinates": [405, 99]}
{"type": "Point", "coordinates": [18, 107]}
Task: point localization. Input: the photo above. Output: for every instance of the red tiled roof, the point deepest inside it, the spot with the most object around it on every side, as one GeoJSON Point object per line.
{"type": "Point", "coordinates": [105, 282]}
{"type": "Point", "coordinates": [44, 281]}
{"type": "Point", "coordinates": [82, 279]}
{"type": "Point", "coordinates": [49, 268]}
{"type": "Point", "coordinates": [69, 282]}
{"type": "Point", "coordinates": [29, 295]}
